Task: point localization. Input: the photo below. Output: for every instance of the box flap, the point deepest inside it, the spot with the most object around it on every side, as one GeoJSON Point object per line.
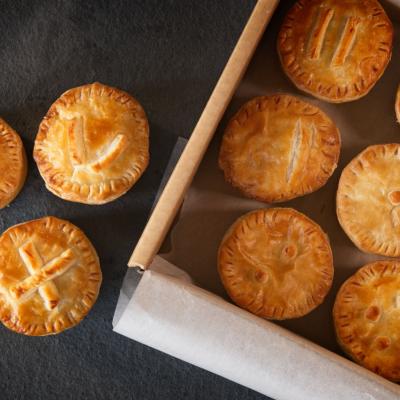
{"type": "Point", "coordinates": [173, 194]}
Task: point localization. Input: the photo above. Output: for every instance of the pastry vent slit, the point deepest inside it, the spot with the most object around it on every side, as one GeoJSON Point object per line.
{"type": "Point", "coordinates": [48, 272]}
{"type": "Point", "coordinates": [346, 42]}
{"type": "Point", "coordinates": [294, 153]}
{"type": "Point", "coordinates": [76, 142]}
{"type": "Point", "coordinates": [397, 300]}
{"type": "Point", "coordinates": [115, 149]}
{"type": "Point", "coordinates": [318, 35]}
{"type": "Point", "coordinates": [33, 262]}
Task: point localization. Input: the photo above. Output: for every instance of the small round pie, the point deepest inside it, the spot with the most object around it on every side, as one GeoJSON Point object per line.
{"type": "Point", "coordinates": [368, 200]}
{"type": "Point", "coordinates": [279, 147]}
{"type": "Point", "coordinates": [335, 50]}
{"type": "Point", "coordinates": [276, 263]}
{"type": "Point", "coordinates": [13, 164]}
{"type": "Point", "coordinates": [93, 144]}
{"type": "Point", "coordinates": [49, 276]}
{"type": "Point", "coordinates": [367, 318]}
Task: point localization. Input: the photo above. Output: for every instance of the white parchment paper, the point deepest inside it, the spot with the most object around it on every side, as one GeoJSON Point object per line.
{"type": "Point", "coordinates": [190, 323]}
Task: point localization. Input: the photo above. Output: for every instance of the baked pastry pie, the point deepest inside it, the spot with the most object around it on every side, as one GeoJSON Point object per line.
{"type": "Point", "coordinates": [279, 147]}
{"type": "Point", "coordinates": [93, 144]}
{"type": "Point", "coordinates": [368, 200]}
{"type": "Point", "coordinates": [335, 50]}
{"type": "Point", "coordinates": [13, 165]}
{"type": "Point", "coordinates": [49, 276]}
{"type": "Point", "coordinates": [367, 318]}
{"type": "Point", "coordinates": [276, 263]}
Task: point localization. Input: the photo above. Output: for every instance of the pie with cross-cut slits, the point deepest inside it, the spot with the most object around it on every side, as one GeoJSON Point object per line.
{"type": "Point", "coordinates": [368, 200]}
{"type": "Point", "coordinates": [93, 144]}
{"type": "Point", "coordinates": [279, 147]}
{"type": "Point", "coordinates": [49, 276]}
{"type": "Point", "coordinates": [276, 263]}
{"type": "Point", "coordinates": [335, 50]}
{"type": "Point", "coordinates": [367, 317]}
{"type": "Point", "coordinates": [13, 165]}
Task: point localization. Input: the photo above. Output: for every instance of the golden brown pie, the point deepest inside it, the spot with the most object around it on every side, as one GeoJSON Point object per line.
{"type": "Point", "coordinates": [367, 318]}
{"type": "Point", "coordinates": [335, 50]}
{"type": "Point", "coordinates": [13, 165]}
{"type": "Point", "coordinates": [93, 144]}
{"type": "Point", "coordinates": [279, 147]}
{"type": "Point", "coordinates": [368, 200]}
{"type": "Point", "coordinates": [276, 263]}
{"type": "Point", "coordinates": [49, 276]}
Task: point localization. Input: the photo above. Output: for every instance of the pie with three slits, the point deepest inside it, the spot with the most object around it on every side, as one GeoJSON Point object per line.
{"type": "Point", "coordinates": [13, 165]}
{"type": "Point", "coordinates": [279, 147]}
{"type": "Point", "coordinates": [335, 50]}
{"type": "Point", "coordinates": [276, 263]}
{"type": "Point", "coordinates": [93, 144]}
{"type": "Point", "coordinates": [367, 318]}
{"type": "Point", "coordinates": [49, 276]}
{"type": "Point", "coordinates": [368, 200]}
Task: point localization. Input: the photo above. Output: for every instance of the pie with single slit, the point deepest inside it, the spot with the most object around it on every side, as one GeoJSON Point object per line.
{"type": "Point", "coordinates": [279, 147]}
{"type": "Point", "coordinates": [276, 263]}
{"type": "Point", "coordinates": [49, 276]}
{"type": "Point", "coordinates": [335, 50]}
{"type": "Point", "coordinates": [367, 318]}
{"type": "Point", "coordinates": [368, 200]}
{"type": "Point", "coordinates": [93, 144]}
{"type": "Point", "coordinates": [13, 165]}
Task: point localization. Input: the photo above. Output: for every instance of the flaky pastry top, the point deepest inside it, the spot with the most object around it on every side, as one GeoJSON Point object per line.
{"type": "Point", "coordinates": [12, 164]}
{"type": "Point", "coordinates": [335, 50]}
{"type": "Point", "coordinates": [368, 200]}
{"type": "Point", "coordinates": [276, 263]}
{"type": "Point", "coordinates": [49, 276]}
{"type": "Point", "coordinates": [279, 147]}
{"type": "Point", "coordinates": [93, 144]}
{"type": "Point", "coordinates": [367, 317]}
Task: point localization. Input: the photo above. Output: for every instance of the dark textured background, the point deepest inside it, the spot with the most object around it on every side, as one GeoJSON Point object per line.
{"type": "Point", "coordinates": [169, 55]}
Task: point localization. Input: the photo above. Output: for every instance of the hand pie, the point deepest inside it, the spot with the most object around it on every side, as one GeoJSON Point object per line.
{"type": "Point", "coordinates": [93, 144]}
{"type": "Point", "coordinates": [13, 165]}
{"type": "Point", "coordinates": [49, 276]}
{"type": "Point", "coordinates": [279, 147]}
{"type": "Point", "coordinates": [335, 50]}
{"type": "Point", "coordinates": [368, 200]}
{"type": "Point", "coordinates": [367, 318]}
{"type": "Point", "coordinates": [276, 263]}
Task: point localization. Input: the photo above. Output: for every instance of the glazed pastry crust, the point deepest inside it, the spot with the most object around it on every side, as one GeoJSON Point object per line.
{"type": "Point", "coordinates": [13, 164]}
{"type": "Point", "coordinates": [335, 50]}
{"type": "Point", "coordinates": [49, 276]}
{"type": "Point", "coordinates": [93, 144]}
{"type": "Point", "coordinates": [279, 147]}
{"type": "Point", "coordinates": [367, 318]}
{"type": "Point", "coordinates": [276, 263]}
{"type": "Point", "coordinates": [368, 200]}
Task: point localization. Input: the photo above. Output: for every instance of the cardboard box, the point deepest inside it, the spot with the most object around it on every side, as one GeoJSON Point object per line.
{"type": "Point", "coordinates": [196, 322]}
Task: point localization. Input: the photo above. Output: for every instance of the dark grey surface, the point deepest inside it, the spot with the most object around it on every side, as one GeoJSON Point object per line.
{"type": "Point", "coordinates": [169, 55]}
